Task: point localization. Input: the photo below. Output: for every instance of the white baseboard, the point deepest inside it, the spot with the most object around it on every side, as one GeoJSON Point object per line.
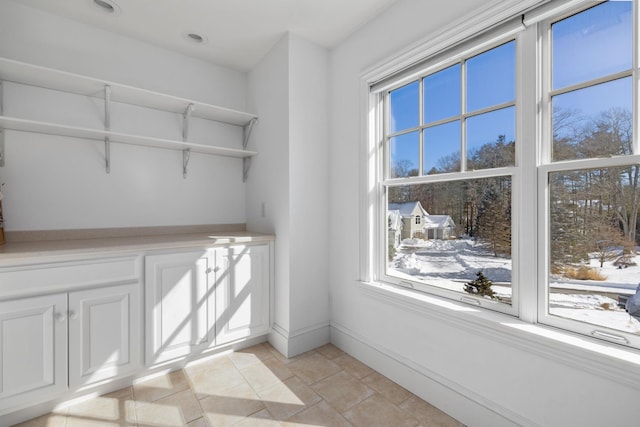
{"type": "Point", "coordinates": [468, 407]}
{"type": "Point", "coordinates": [291, 344]}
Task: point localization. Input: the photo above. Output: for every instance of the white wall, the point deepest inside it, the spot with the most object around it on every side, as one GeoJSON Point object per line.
{"type": "Point", "coordinates": [268, 180]}
{"type": "Point", "coordinates": [288, 91]}
{"type": "Point", "coordinates": [56, 182]}
{"type": "Point", "coordinates": [309, 189]}
{"type": "Point", "coordinates": [477, 377]}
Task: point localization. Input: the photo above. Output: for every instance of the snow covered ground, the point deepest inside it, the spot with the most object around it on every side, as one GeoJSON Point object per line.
{"type": "Point", "coordinates": [452, 263]}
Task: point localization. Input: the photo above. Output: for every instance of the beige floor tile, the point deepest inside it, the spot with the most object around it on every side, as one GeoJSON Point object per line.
{"type": "Point", "coordinates": [213, 377]}
{"type": "Point", "coordinates": [258, 387]}
{"type": "Point", "coordinates": [330, 351]}
{"type": "Point", "coordinates": [287, 360]}
{"type": "Point", "coordinates": [342, 391]}
{"type": "Point", "coordinates": [159, 387]}
{"type": "Point", "coordinates": [200, 422]}
{"type": "Point", "coordinates": [387, 388]}
{"type": "Point", "coordinates": [259, 419]}
{"type": "Point", "coordinates": [232, 407]}
{"type": "Point", "coordinates": [175, 410]}
{"type": "Point", "coordinates": [217, 363]}
{"type": "Point", "coordinates": [49, 420]}
{"type": "Point", "coordinates": [427, 414]}
{"type": "Point", "coordinates": [260, 376]}
{"type": "Point", "coordinates": [285, 399]}
{"type": "Point", "coordinates": [353, 366]}
{"type": "Point", "coordinates": [313, 367]}
{"type": "Point", "coordinates": [250, 355]}
{"type": "Point", "coordinates": [320, 414]}
{"type": "Point", "coordinates": [279, 369]}
{"type": "Point", "coordinates": [376, 411]}
{"type": "Point", "coordinates": [89, 422]}
{"type": "Point", "coordinates": [117, 408]}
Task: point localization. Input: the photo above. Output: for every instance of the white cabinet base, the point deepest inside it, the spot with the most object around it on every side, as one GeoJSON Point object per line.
{"type": "Point", "coordinates": [242, 292]}
{"type": "Point", "coordinates": [33, 348]}
{"type": "Point", "coordinates": [176, 292]}
{"type": "Point", "coordinates": [104, 333]}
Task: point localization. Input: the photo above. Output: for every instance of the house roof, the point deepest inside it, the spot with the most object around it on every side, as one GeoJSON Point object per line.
{"type": "Point", "coordinates": [408, 208]}
{"type": "Point", "coordinates": [438, 221]}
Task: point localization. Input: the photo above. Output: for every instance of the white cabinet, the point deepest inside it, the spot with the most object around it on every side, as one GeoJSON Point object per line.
{"type": "Point", "coordinates": [64, 325]}
{"type": "Point", "coordinates": [33, 348]}
{"type": "Point", "coordinates": [104, 333]}
{"type": "Point", "coordinates": [98, 329]}
{"type": "Point", "coordinates": [242, 292]}
{"type": "Point", "coordinates": [200, 299]}
{"type": "Point", "coordinates": [176, 304]}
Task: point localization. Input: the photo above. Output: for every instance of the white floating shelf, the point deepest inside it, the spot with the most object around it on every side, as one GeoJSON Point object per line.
{"type": "Point", "coordinates": [35, 75]}
{"type": "Point", "coordinates": [100, 135]}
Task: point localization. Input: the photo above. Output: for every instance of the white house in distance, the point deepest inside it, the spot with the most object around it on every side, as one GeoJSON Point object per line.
{"type": "Point", "coordinates": [412, 214]}
{"type": "Point", "coordinates": [439, 227]}
{"type": "Point", "coordinates": [394, 228]}
{"type": "Point", "coordinates": [415, 219]}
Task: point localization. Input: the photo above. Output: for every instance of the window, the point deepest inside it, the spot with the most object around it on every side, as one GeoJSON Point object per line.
{"type": "Point", "coordinates": [468, 135]}
{"type": "Point", "coordinates": [451, 152]}
{"type": "Point", "coordinates": [591, 175]}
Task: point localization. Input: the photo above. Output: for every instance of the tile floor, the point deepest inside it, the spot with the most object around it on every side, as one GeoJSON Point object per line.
{"type": "Point", "coordinates": [257, 386]}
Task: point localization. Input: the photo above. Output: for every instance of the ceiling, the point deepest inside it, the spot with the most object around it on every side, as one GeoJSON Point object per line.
{"type": "Point", "coordinates": [236, 33]}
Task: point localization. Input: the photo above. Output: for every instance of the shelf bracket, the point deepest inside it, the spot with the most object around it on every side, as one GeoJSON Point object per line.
{"type": "Point", "coordinates": [246, 161]}
{"type": "Point", "coordinates": [246, 132]}
{"type": "Point", "coordinates": [185, 122]}
{"type": "Point", "coordinates": [107, 127]}
{"type": "Point", "coordinates": [246, 165]}
{"type": "Point", "coordinates": [186, 155]}
{"type": "Point", "coordinates": [107, 155]}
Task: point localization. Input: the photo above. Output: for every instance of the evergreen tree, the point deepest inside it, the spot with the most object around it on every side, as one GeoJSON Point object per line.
{"type": "Point", "coordinates": [480, 286]}
{"type": "Point", "coordinates": [494, 218]}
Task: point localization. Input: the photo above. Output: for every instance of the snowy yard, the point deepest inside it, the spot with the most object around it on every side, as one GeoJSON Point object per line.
{"type": "Point", "coordinates": [450, 264]}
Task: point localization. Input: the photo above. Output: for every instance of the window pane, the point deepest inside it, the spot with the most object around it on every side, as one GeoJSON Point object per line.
{"type": "Point", "coordinates": [593, 122]}
{"type": "Point", "coordinates": [491, 139]}
{"type": "Point", "coordinates": [404, 156]}
{"type": "Point", "coordinates": [592, 44]}
{"type": "Point", "coordinates": [442, 94]}
{"type": "Point", "coordinates": [405, 106]}
{"type": "Point", "coordinates": [465, 229]}
{"type": "Point", "coordinates": [491, 77]}
{"type": "Point", "coordinates": [442, 148]}
{"type": "Point", "coordinates": [594, 237]}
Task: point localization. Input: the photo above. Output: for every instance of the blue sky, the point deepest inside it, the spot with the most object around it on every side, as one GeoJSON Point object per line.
{"type": "Point", "coordinates": [589, 45]}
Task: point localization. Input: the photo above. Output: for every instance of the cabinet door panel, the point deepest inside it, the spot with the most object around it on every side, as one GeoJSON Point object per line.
{"type": "Point", "coordinates": [104, 333]}
{"type": "Point", "coordinates": [242, 292]}
{"type": "Point", "coordinates": [33, 348]}
{"type": "Point", "coordinates": [176, 287]}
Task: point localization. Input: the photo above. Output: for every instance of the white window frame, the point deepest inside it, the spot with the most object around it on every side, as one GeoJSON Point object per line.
{"type": "Point", "coordinates": [379, 100]}
{"type": "Point", "coordinates": [547, 166]}
{"type": "Point", "coordinates": [529, 274]}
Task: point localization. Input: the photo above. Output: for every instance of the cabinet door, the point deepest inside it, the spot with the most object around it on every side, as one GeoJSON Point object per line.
{"type": "Point", "coordinates": [242, 292]}
{"type": "Point", "coordinates": [33, 348]}
{"type": "Point", "coordinates": [104, 333]}
{"type": "Point", "coordinates": [176, 291]}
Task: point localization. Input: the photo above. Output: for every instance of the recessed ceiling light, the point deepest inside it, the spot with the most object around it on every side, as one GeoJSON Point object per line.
{"type": "Point", "coordinates": [107, 6]}
{"type": "Point", "coordinates": [196, 38]}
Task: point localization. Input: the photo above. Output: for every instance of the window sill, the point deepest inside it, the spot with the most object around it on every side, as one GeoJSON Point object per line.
{"type": "Point", "coordinates": [614, 362]}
